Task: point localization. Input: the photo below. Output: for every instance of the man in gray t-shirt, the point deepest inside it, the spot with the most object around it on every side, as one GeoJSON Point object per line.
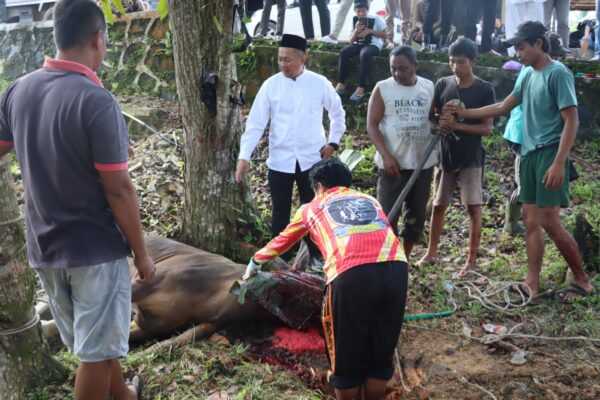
{"type": "Point", "coordinates": [81, 209]}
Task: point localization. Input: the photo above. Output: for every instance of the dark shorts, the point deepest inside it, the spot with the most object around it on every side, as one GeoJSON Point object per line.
{"type": "Point", "coordinates": [533, 168]}
{"type": "Point", "coordinates": [415, 205]}
{"type": "Point", "coordinates": [362, 316]}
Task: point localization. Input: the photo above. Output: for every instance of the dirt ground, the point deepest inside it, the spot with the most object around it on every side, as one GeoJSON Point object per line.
{"type": "Point", "coordinates": [440, 364]}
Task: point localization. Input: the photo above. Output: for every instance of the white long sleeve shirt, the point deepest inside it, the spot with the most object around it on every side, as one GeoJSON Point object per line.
{"type": "Point", "coordinates": [295, 108]}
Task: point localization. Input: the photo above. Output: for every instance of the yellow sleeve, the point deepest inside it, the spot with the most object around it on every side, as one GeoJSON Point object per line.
{"type": "Point", "coordinates": [292, 234]}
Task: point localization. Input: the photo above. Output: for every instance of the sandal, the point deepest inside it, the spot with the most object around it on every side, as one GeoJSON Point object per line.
{"type": "Point", "coordinates": [356, 97]}
{"type": "Point", "coordinates": [340, 92]}
{"type": "Point", "coordinates": [576, 289]}
{"type": "Point", "coordinates": [137, 384]}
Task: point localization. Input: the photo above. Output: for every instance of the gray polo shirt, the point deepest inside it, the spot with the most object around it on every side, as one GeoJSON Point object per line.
{"type": "Point", "coordinates": [65, 127]}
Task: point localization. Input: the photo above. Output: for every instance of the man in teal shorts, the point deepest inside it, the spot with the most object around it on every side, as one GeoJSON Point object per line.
{"type": "Point", "coordinates": [547, 94]}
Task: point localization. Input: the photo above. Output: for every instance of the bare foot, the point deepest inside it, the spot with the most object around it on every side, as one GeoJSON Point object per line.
{"type": "Point", "coordinates": [469, 266]}
{"type": "Point", "coordinates": [527, 288]}
{"type": "Point", "coordinates": [426, 260]}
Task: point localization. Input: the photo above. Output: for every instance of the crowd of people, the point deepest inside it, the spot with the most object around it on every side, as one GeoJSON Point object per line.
{"type": "Point", "coordinates": [82, 214]}
{"type": "Point", "coordinates": [365, 252]}
{"type": "Point", "coordinates": [432, 25]}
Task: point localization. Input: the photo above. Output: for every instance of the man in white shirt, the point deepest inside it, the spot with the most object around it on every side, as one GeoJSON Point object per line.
{"type": "Point", "coordinates": [519, 11]}
{"type": "Point", "coordinates": [398, 125]}
{"type": "Point", "coordinates": [293, 101]}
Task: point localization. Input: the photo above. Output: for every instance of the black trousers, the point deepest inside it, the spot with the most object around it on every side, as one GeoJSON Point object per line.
{"type": "Point", "coordinates": [281, 186]}
{"type": "Point", "coordinates": [474, 9]}
{"type": "Point", "coordinates": [432, 9]}
{"type": "Point", "coordinates": [362, 316]}
{"type": "Point", "coordinates": [307, 22]}
{"type": "Point", "coordinates": [366, 54]}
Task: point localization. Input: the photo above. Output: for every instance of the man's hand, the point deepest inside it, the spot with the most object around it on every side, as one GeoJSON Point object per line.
{"type": "Point", "coordinates": [326, 152]}
{"type": "Point", "coordinates": [391, 166]}
{"type": "Point", "coordinates": [146, 269]}
{"type": "Point", "coordinates": [363, 33]}
{"type": "Point", "coordinates": [554, 176]}
{"type": "Point", "coordinates": [453, 107]}
{"type": "Point", "coordinates": [447, 123]}
{"type": "Point", "coordinates": [251, 269]}
{"type": "Point", "coordinates": [241, 170]}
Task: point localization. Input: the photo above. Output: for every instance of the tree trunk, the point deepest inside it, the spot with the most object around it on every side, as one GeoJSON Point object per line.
{"type": "Point", "coordinates": [213, 202]}
{"type": "Point", "coordinates": [25, 360]}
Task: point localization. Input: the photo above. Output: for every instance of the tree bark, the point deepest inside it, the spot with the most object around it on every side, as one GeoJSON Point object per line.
{"type": "Point", "coordinates": [213, 202]}
{"type": "Point", "coordinates": [25, 360]}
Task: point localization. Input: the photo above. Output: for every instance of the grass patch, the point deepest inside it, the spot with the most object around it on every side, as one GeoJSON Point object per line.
{"type": "Point", "coordinates": [195, 372]}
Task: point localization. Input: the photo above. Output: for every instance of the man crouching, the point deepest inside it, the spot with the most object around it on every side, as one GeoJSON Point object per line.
{"type": "Point", "coordinates": [366, 276]}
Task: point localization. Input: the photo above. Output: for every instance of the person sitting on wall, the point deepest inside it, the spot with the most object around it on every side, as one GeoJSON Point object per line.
{"type": "Point", "coordinates": [366, 40]}
{"type": "Point", "coordinates": [416, 33]}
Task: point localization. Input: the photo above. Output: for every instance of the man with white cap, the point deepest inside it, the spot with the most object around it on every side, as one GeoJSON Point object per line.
{"type": "Point", "coordinates": [293, 101]}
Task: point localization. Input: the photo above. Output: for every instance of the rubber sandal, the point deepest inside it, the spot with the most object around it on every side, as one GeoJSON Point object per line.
{"type": "Point", "coordinates": [137, 384]}
{"type": "Point", "coordinates": [356, 98]}
{"type": "Point", "coordinates": [576, 289]}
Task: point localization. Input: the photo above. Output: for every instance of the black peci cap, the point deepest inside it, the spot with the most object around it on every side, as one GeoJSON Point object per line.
{"type": "Point", "coordinates": [293, 41]}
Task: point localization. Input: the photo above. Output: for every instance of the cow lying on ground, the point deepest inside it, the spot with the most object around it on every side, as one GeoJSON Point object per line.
{"type": "Point", "coordinates": [191, 288]}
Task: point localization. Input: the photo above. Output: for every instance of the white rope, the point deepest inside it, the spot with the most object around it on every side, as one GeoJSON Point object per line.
{"type": "Point", "coordinates": [512, 333]}
{"type": "Point", "coordinates": [404, 387]}
{"type": "Point", "coordinates": [492, 338]}
{"type": "Point", "coordinates": [20, 249]}
{"type": "Point", "coordinates": [34, 321]}
{"type": "Point", "coordinates": [464, 381]}
{"type": "Point", "coordinates": [496, 295]}
{"type": "Point", "coordinates": [11, 221]}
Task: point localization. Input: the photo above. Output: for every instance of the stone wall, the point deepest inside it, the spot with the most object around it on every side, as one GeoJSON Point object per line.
{"type": "Point", "coordinates": [140, 59]}
{"type": "Point", "coordinates": [260, 62]}
{"type": "Point", "coordinates": [139, 55]}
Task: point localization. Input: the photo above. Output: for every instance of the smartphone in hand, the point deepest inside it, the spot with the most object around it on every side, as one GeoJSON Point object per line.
{"type": "Point", "coordinates": [362, 21]}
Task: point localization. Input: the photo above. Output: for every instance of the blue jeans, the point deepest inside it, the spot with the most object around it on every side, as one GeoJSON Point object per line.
{"type": "Point", "coordinates": [597, 48]}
